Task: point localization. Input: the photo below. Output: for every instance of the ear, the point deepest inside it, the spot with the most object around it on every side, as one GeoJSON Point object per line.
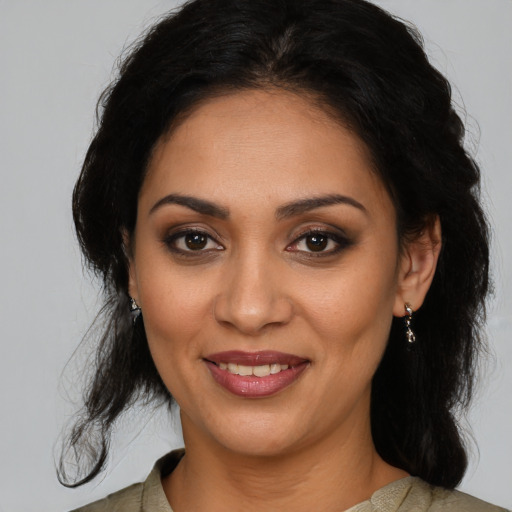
{"type": "Point", "coordinates": [417, 267]}
{"type": "Point", "coordinates": [128, 251]}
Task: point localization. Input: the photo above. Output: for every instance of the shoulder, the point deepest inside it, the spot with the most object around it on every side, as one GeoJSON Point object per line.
{"type": "Point", "coordinates": [443, 499]}
{"type": "Point", "coordinates": [128, 499]}
{"type": "Point", "coordinates": [438, 499]}
{"type": "Point", "coordinates": [145, 496]}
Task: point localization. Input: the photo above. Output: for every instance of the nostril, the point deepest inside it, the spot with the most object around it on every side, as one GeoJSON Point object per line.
{"type": "Point", "coordinates": [251, 315]}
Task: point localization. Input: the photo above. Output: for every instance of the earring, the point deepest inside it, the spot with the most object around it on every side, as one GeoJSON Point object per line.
{"type": "Point", "coordinates": [133, 305]}
{"type": "Point", "coordinates": [411, 337]}
{"type": "Point", "coordinates": [134, 309]}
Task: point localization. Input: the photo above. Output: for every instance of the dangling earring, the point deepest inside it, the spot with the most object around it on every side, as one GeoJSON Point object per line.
{"type": "Point", "coordinates": [135, 309]}
{"type": "Point", "coordinates": [411, 337]}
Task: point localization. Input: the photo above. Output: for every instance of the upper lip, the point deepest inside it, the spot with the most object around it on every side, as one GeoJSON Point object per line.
{"type": "Point", "coordinates": [255, 358]}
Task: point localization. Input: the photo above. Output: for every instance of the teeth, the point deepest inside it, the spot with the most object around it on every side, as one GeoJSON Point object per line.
{"type": "Point", "coordinates": [258, 371]}
{"type": "Point", "coordinates": [261, 371]}
{"type": "Point", "coordinates": [244, 370]}
{"type": "Point", "coordinates": [275, 368]}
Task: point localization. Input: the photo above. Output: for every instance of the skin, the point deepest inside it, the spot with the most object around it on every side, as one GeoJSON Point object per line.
{"type": "Point", "coordinates": [257, 285]}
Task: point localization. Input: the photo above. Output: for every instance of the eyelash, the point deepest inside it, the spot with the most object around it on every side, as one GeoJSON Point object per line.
{"type": "Point", "coordinates": [170, 242]}
{"type": "Point", "coordinates": [341, 243]}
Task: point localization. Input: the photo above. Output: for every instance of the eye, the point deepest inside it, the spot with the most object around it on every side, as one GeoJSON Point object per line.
{"type": "Point", "coordinates": [319, 243]}
{"type": "Point", "coordinates": [192, 241]}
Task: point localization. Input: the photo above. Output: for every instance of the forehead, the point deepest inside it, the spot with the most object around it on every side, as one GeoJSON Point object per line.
{"type": "Point", "coordinates": [273, 144]}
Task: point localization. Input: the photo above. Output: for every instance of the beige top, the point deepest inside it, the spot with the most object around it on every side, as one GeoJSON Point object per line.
{"type": "Point", "coordinates": [409, 494]}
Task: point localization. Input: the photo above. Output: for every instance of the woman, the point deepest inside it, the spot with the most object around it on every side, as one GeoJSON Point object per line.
{"type": "Point", "coordinates": [279, 193]}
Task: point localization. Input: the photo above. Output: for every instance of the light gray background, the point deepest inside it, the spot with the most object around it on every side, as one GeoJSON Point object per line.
{"type": "Point", "coordinates": [55, 58]}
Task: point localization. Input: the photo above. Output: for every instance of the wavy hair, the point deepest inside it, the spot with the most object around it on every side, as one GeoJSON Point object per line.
{"type": "Point", "coordinates": [367, 68]}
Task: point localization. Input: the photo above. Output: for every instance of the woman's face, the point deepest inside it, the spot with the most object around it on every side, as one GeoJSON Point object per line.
{"type": "Point", "coordinates": [266, 264]}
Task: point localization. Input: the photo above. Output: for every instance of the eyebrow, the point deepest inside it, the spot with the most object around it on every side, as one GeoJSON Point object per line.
{"type": "Point", "coordinates": [292, 209]}
{"type": "Point", "coordinates": [308, 204]}
{"type": "Point", "coordinates": [201, 206]}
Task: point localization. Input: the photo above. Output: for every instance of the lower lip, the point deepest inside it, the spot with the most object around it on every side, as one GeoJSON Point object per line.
{"type": "Point", "coordinates": [256, 387]}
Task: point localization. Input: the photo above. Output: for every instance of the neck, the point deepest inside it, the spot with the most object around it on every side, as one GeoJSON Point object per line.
{"type": "Point", "coordinates": [331, 475]}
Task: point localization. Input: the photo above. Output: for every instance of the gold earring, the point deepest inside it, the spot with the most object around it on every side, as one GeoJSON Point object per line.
{"type": "Point", "coordinates": [411, 337]}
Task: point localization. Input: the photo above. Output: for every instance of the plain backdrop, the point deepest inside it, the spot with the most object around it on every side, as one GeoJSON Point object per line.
{"type": "Point", "coordinates": [55, 58]}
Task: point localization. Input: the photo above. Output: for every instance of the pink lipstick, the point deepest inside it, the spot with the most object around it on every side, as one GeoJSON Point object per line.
{"type": "Point", "coordinates": [255, 374]}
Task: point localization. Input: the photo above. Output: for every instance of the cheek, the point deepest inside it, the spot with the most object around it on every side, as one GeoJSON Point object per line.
{"type": "Point", "coordinates": [351, 301]}
{"type": "Point", "coordinates": [175, 312]}
{"type": "Point", "coordinates": [350, 311]}
{"type": "Point", "coordinates": [175, 304]}
{"type": "Point", "coordinates": [174, 319]}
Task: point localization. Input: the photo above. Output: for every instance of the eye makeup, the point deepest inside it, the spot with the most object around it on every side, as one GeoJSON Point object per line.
{"type": "Point", "coordinates": [319, 242]}
{"type": "Point", "coordinates": [191, 242]}
{"type": "Point", "coordinates": [195, 242]}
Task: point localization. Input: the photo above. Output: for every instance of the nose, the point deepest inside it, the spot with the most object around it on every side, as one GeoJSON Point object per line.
{"type": "Point", "coordinates": [253, 296]}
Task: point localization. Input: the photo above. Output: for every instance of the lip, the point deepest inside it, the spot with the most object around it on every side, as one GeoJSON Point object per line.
{"type": "Point", "coordinates": [252, 386]}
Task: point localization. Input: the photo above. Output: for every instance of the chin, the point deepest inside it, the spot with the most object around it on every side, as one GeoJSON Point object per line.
{"type": "Point", "coordinates": [259, 444]}
{"type": "Point", "coordinates": [255, 434]}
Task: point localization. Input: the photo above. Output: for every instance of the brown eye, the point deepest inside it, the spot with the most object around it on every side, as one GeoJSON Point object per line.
{"type": "Point", "coordinates": [192, 241]}
{"type": "Point", "coordinates": [195, 241]}
{"type": "Point", "coordinates": [319, 243]}
{"type": "Point", "coordinates": [316, 242]}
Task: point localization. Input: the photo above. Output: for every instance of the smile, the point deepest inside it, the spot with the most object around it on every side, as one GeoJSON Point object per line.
{"type": "Point", "coordinates": [255, 375]}
{"type": "Point", "coordinates": [258, 371]}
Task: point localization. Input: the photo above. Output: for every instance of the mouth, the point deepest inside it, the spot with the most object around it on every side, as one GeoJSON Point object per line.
{"type": "Point", "coordinates": [255, 375]}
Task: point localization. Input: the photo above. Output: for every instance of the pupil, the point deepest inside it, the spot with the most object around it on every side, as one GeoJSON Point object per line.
{"type": "Point", "coordinates": [316, 242]}
{"type": "Point", "coordinates": [195, 241]}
